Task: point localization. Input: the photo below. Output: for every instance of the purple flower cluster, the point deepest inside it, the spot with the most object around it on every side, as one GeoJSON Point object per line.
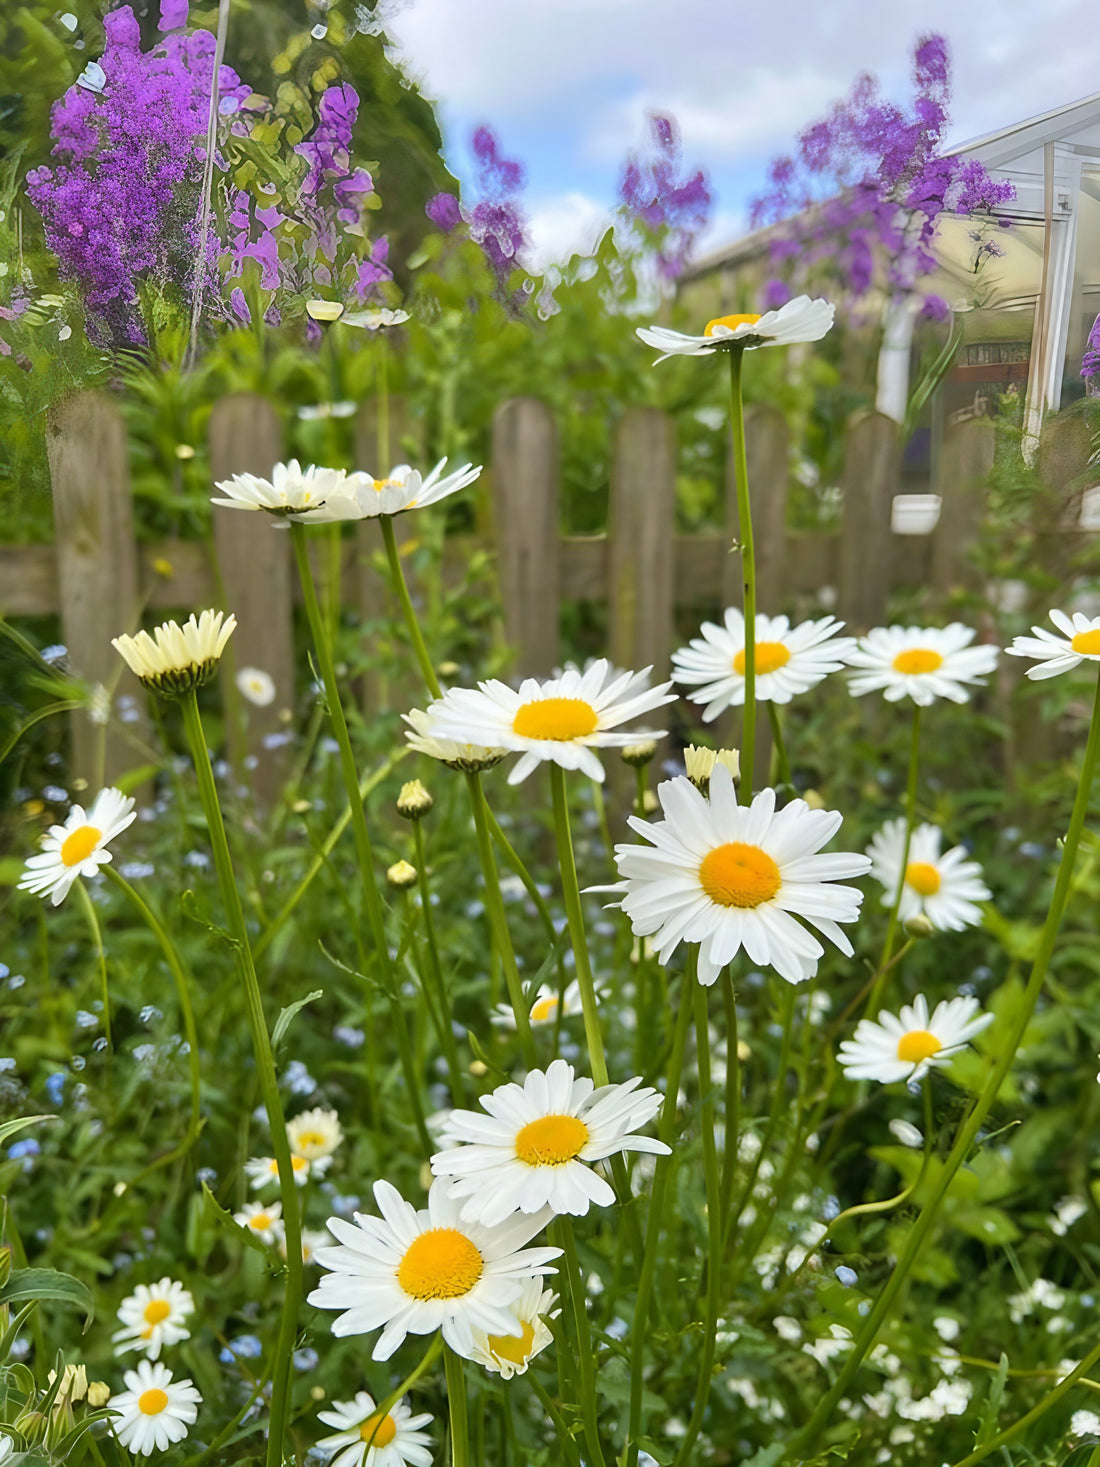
{"type": "Point", "coordinates": [1090, 362]}
{"type": "Point", "coordinates": [671, 207]}
{"type": "Point", "coordinates": [867, 182]}
{"type": "Point", "coordinates": [121, 204]}
{"type": "Point", "coordinates": [497, 220]}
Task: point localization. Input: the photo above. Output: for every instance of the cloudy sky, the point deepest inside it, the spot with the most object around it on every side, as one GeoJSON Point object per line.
{"type": "Point", "coordinates": [566, 84]}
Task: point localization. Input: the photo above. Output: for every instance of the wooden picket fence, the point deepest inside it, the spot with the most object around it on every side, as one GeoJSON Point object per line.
{"type": "Point", "coordinates": [102, 581]}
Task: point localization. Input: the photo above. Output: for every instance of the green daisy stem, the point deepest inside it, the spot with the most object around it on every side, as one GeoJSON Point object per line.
{"type": "Point", "coordinates": [733, 1092]}
{"type": "Point", "coordinates": [498, 921]}
{"type": "Point", "coordinates": [412, 625]}
{"type": "Point", "coordinates": [715, 1229]}
{"type": "Point", "coordinates": [383, 402]}
{"type": "Point", "coordinates": [641, 785]}
{"type": "Point", "coordinates": [97, 937]}
{"type": "Point", "coordinates": [779, 1103]}
{"type": "Point", "coordinates": [875, 996]}
{"type": "Point", "coordinates": [666, 1132]}
{"type": "Point", "coordinates": [372, 897]}
{"type": "Point", "coordinates": [782, 763]}
{"type": "Point", "coordinates": [456, 1404]}
{"type": "Point", "coordinates": [571, 892]}
{"type": "Point", "coordinates": [1066, 1384]}
{"type": "Point", "coordinates": [748, 566]}
{"type": "Point", "coordinates": [586, 1360]}
{"type": "Point", "coordinates": [915, 1239]}
{"type": "Point", "coordinates": [183, 991]}
{"type": "Point", "coordinates": [435, 968]}
{"type": "Point", "coordinates": [565, 1439]}
{"type": "Point", "coordinates": [265, 1071]}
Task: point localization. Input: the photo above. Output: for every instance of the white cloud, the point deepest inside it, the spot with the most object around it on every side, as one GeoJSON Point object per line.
{"type": "Point", "coordinates": [559, 227]}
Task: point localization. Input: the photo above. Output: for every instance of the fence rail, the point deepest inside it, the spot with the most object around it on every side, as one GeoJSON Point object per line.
{"type": "Point", "coordinates": [101, 581]}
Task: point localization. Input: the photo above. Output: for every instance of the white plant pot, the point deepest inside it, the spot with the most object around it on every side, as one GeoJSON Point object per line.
{"type": "Point", "coordinates": [915, 514]}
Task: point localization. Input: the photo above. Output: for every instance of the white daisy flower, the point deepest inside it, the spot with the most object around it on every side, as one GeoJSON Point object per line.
{"type": "Point", "coordinates": [729, 876]}
{"type": "Point", "coordinates": [177, 658]}
{"type": "Point", "coordinates": [544, 1010]}
{"type": "Point", "coordinates": [470, 758]}
{"type": "Point", "coordinates": [154, 1411]}
{"type": "Point", "coordinates": [944, 888]}
{"type": "Point", "coordinates": [312, 1239]}
{"type": "Point", "coordinates": [563, 719]}
{"type": "Point", "coordinates": [404, 488]}
{"type": "Point", "coordinates": [366, 1438]}
{"type": "Point", "coordinates": [908, 1046]}
{"type": "Point", "coordinates": [788, 660]}
{"type": "Point", "coordinates": [315, 494]}
{"type": "Point", "coordinates": [801, 319]}
{"type": "Point", "coordinates": [77, 848]}
{"type": "Point", "coordinates": [315, 1133]}
{"type": "Point", "coordinates": [1052, 655]}
{"type": "Point", "coordinates": [257, 686]}
{"type": "Point", "coordinates": [263, 1171]}
{"type": "Point", "coordinates": [415, 1272]}
{"type": "Point", "coordinates": [534, 1147]}
{"type": "Point", "coordinates": [265, 1219]}
{"type": "Point", "coordinates": [152, 1316]}
{"type": "Point", "coordinates": [923, 663]}
{"type": "Point", "coordinates": [508, 1355]}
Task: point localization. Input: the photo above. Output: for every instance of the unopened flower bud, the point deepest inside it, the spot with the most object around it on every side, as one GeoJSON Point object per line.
{"type": "Point", "coordinates": [919, 926]}
{"type": "Point", "coordinates": [414, 800]}
{"type": "Point", "coordinates": [813, 799]}
{"type": "Point", "coordinates": [639, 755]}
{"type": "Point", "coordinates": [402, 875]}
{"type": "Point", "coordinates": [5, 1265]}
{"type": "Point", "coordinates": [650, 803]}
{"type": "Point", "coordinates": [449, 669]}
{"type": "Point", "coordinates": [478, 1068]}
{"type": "Point", "coordinates": [317, 1392]}
{"type": "Point", "coordinates": [32, 1425]}
{"type": "Point", "coordinates": [699, 764]}
{"type": "Point", "coordinates": [99, 1393]}
{"type": "Point", "coordinates": [74, 1383]}
{"type": "Point", "coordinates": [324, 310]}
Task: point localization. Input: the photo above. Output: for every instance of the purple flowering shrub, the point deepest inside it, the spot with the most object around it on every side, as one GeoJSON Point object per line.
{"type": "Point", "coordinates": [866, 188]}
{"type": "Point", "coordinates": [121, 204]}
{"type": "Point", "coordinates": [497, 221]}
{"type": "Point", "coordinates": [671, 209]}
{"type": "Point", "coordinates": [1090, 362]}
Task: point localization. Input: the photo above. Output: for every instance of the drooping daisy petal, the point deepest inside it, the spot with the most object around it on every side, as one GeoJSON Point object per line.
{"type": "Point", "coordinates": [729, 876]}
{"type": "Point", "coordinates": [469, 758]}
{"type": "Point", "coordinates": [801, 319]}
{"type": "Point", "coordinates": [152, 1316]}
{"type": "Point", "coordinates": [176, 659]}
{"type": "Point", "coordinates": [509, 1355]}
{"type": "Point", "coordinates": [78, 847]}
{"type": "Point", "coordinates": [905, 1047]}
{"type": "Point", "coordinates": [365, 1437]}
{"type": "Point", "coordinates": [405, 488]}
{"type": "Point", "coordinates": [922, 663]}
{"type": "Point", "coordinates": [563, 719]}
{"type": "Point", "coordinates": [410, 1272]}
{"type": "Point", "coordinates": [944, 888]}
{"type": "Point", "coordinates": [315, 494]}
{"type": "Point", "coordinates": [536, 1147]}
{"type": "Point", "coordinates": [154, 1411]}
{"type": "Point", "coordinates": [788, 660]}
{"type": "Point", "coordinates": [1079, 642]}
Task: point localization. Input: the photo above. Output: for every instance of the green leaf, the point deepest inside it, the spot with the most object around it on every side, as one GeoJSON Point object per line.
{"type": "Point", "coordinates": [987, 1425]}
{"type": "Point", "coordinates": [9, 1128]}
{"type": "Point", "coordinates": [191, 909]}
{"type": "Point", "coordinates": [48, 1283]}
{"type": "Point", "coordinates": [227, 1221]}
{"type": "Point", "coordinates": [990, 1224]}
{"type": "Point", "coordinates": [283, 1022]}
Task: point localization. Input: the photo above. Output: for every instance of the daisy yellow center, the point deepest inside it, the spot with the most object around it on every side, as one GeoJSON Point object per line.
{"type": "Point", "coordinates": [923, 877]}
{"type": "Point", "coordinates": [80, 845]}
{"type": "Point", "coordinates": [559, 719]}
{"type": "Point", "coordinates": [770, 656]}
{"type": "Point", "coordinates": [378, 1431]}
{"type": "Point", "coordinates": [380, 484]}
{"type": "Point", "coordinates": [152, 1402]}
{"type": "Point", "coordinates": [440, 1264]}
{"type": "Point", "coordinates": [260, 1221]}
{"type": "Point", "coordinates": [551, 1140]}
{"type": "Point", "coordinates": [731, 321]}
{"type": "Point", "coordinates": [545, 1008]}
{"type": "Point", "coordinates": [739, 875]}
{"type": "Point", "coordinates": [915, 660]}
{"type": "Point", "coordinates": [515, 1349]}
{"type": "Point", "coordinates": [308, 1138]}
{"type": "Point", "coordinates": [157, 1311]}
{"type": "Point", "coordinates": [1087, 643]}
{"type": "Point", "coordinates": [297, 1163]}
{"type": "Point", "coordinates": [917, 1045]}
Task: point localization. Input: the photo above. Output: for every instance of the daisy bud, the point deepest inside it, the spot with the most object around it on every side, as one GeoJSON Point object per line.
{"type": "Point", "coordinates": [32, 1425]}
{"type": "Point", "coordinates": [479, 1068]}
{"type": "Point", "coordinates": [99, 1393]}
{"type": "Point", "coordinates": [175, 660]}
{"type": "Point", "coordinates": [639, 755]}
{"type": "Point", "coordinates": [813, 799]}
{"type": "Point", "coordinates": [74, 1384]}
{"type": "Point", "coordinates": [449, 669]}
{"type": "Point", "coordinates": [700, 763]}
{"type": "Point", "coordinates": [918, 925]}
{"type": "Point", "coordinates": [650, 803]}
{"type": "Point", "coordinates": [402, 875]}
{"type": "Point", "coordinates": [5, 1266]}
{"type": "Point", "coordinates": [414, 800]}
{"type": "Point", "coordinates": [324, 310]}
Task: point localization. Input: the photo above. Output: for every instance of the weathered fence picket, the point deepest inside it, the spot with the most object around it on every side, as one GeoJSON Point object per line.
{"type": "Point", "coordinates": [102, 583]}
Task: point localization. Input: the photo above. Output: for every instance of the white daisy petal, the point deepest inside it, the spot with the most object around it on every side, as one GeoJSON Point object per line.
{"type": "Point", "coordinates": [79, 847]}
{"type": "Point", "coordinates": [1054, 655]}
{"type": "Point", "coordinates": [788, 661]}
{"type": "Point", "coordinates": [907, 1046]}
{"type": "Point", "coordinates": [922, 663]}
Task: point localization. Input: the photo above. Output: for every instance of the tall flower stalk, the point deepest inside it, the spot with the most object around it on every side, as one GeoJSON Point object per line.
{"type": "Point", "coordinates": [910, 820]}
{"type": "Point", "coordinates": [748, 565]}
